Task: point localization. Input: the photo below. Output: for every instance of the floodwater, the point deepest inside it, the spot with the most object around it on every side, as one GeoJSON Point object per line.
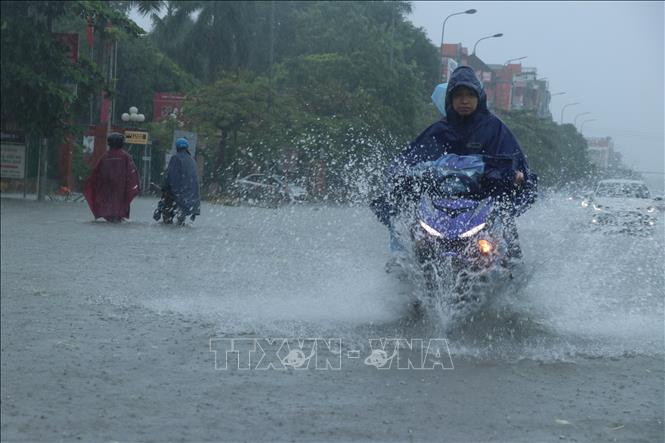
{"type": "Point", "coordinates": [586, 298]}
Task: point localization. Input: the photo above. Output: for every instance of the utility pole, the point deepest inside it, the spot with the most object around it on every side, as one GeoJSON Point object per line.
{"type": "Point", "coordinates": [271, 55]}
{"type": "Point", "coordinates": [42, 166]}
{"type": "Point", "coordinates": [564, 108]}
{"type": "Point", "coordinates": [392, 37]}
{"type": "Point", "coordinates": [42, 160]}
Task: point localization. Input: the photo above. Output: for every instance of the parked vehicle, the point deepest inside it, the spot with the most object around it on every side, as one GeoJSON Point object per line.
{"type": "Point", "coordinates": [267, 188]}
{"type": "Point", "coordinates": [623, 203]}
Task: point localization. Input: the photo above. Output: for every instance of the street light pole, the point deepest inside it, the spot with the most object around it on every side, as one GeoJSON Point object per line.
{"type": "Point", "coordinates": [584, 123]}
{"type": "Point", "coordinates": [134, 117]}
{"type": "Point", "coordinates": [484, 38]}
{"type": "Point", "coordinates": [564, 108]}
{"type": "Point", "coordinates": [578, 116]}
{"type": "Point", "coordinates": [552, 95]}
{"type": "Point", "coordinates": [443, 28]}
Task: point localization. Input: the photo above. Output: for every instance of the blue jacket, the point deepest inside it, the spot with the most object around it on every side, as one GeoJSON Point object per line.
{"type": "Point", "coordinates": [181, 181]}
{"type": "Point", "coordinates": [480, 133]}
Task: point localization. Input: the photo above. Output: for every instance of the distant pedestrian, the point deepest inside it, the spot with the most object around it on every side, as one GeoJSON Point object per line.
{"type": "Point", "coordinates": [114, 182]}
{"type": "Point", "coordinates": [180, 187]}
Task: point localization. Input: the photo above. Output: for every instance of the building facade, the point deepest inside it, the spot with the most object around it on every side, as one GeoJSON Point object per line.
{"type": "Point", "coordinates": [509, 87]}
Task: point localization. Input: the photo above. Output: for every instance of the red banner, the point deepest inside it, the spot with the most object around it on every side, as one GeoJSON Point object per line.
{"type": "Point", "coordinates": [165, 104]}
{"type": "Point", "coordinates": [105, 111]}
{"type": "Point", "coordinates": [90, 33]}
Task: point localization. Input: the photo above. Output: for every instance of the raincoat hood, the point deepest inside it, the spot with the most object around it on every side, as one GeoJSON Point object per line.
{"type": "Point", "coordinates": [464, 76]}
{"type": "Point", "coordinates": [480, 133]}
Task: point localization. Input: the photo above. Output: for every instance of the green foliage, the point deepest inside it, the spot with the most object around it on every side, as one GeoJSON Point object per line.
{"type": "Point", "coordinates": [37, 90]}
{"type": "Point", "coordinates": [80, 168]}
{"type": "Point", "coordinates": [329, 80]}
{"type": "Point", "coordinates": [231, 103]}
{"type": "Point", "coordinates": [292, 87]}
{"type": "Point", "coordinates": [557, 153]}
{"type": "Point", "coordinates": [144, 70]}
{"type": "Point", "coordinates": [221, 37]}
{"type": "Point", "coordinates": [230, 115]}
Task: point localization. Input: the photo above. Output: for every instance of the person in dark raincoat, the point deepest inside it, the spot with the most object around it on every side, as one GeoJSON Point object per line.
{"type": "Point", "coordinates": [468, 127]}
{"type": "Point", "coordinates": [114, 182]}
{"type": "Point", "coordinates": [180, 187]}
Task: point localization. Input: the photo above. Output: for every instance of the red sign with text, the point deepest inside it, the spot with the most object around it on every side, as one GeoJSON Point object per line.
{"type": "Point", "coordinates": [165, 104]}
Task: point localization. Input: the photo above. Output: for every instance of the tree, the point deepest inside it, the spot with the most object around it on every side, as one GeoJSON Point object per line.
{"type": "Point", "coordinates": [219, 39]}
{"type": "Point", "coordinates": [557, 153]}
{"type": "Point", "coordinates": [333, 83]}
{"type": "Point", "coordinates": [36, 70]}
{"type": "Point", "coordinates": [234, 103]}
{"type": "Point", "coordinates": [144, 70]}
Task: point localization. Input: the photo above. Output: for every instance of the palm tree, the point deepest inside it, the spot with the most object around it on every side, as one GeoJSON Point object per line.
{"type": "Point", "coordinates": [207, 38]}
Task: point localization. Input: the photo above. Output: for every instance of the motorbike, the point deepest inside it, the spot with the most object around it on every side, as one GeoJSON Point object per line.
{"type": "Point", "coordinates": [458, 222]}
{"type": "Point", "coordinates": [167, 209]}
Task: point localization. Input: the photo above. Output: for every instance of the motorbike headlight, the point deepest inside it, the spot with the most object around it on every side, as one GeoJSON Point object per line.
{"type": "Point", "coordinates": [484, 246]}
{"type": "Point", "coordinates": [651, 209]}
{"type": "Point", "coordinates": [472, 231]}
{"type": "Point", "coordinates": [430, 230]}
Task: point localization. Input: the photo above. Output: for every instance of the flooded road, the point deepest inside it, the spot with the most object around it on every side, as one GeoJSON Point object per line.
{"type": "Point", "coordinates": [106, 331]}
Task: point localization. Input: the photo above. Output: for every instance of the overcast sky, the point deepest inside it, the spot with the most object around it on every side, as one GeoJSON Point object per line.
{"type": "Point", "coordinates": [608, 56]}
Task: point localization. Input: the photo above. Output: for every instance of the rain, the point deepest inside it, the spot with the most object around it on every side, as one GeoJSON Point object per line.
{"type": "Point", "coordinates": [357, 258]}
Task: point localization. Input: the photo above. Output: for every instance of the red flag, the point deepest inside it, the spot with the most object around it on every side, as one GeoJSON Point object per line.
{"type": "Point", "coordinates": [105, 111]}
{"type": "Point", "coordinates": [90, 33]}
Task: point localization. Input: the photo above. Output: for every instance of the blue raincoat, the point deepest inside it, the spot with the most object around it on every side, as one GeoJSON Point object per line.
{"type": "Point", "coordinates": [181, 181]}
{"type": "Point", "coordinates": [480, 133]}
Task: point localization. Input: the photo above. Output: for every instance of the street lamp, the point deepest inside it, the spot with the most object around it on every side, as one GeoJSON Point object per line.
{"type": "Point", "coordinates": [514, 60]}
{"type": "Point", "coordinates": [556, 93]}
{"type": "Point", "coordinates": [443, 28]}
{"type": "Point", "coordinates": [585, 122]}
{"type": "Point", "coordinates": [484, 38]}
{"type": "Point", "coordinates": [468, 11]}
{"type": "Point", "coordinates": [134, 117]}
{"type": "Point", "coordinates": [564, 108]}
{"type": "Point", "coordinates": [579, 115]}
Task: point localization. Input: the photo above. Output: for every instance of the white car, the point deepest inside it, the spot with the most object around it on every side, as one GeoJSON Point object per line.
{"type": "Point", "coordinates": [621, 202]}
{"type": "Point", "coordinates": [267, 188]}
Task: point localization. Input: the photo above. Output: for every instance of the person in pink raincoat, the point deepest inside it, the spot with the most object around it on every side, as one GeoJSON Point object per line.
{"type": "Point", "coordinates": [114, 182]}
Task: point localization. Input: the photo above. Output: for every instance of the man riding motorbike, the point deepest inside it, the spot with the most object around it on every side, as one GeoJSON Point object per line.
{"type": "Point", "coordinates": [468, 127]}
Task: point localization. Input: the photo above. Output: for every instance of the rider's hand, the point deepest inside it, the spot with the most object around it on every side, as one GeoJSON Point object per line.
{"type": "Point", "coordinates": [519, 178]}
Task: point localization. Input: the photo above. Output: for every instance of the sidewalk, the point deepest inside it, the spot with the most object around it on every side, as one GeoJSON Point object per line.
{"type": "Point", "coordinates": [19, 195]}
